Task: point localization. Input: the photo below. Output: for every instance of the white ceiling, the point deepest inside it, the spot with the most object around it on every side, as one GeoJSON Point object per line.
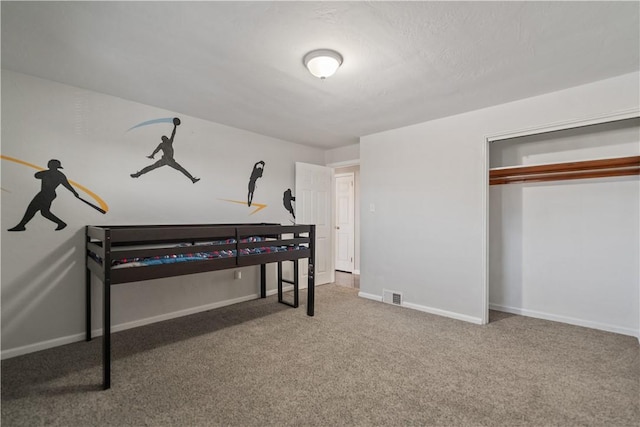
{"type": "Point", "coordinates": [240, 63]}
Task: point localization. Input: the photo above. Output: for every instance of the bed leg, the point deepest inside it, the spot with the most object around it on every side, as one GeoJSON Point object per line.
{"type": "Point", "coordinates": [296, 283]}
{"type": "Point", "coordinates": [279, 281]}
{"type": "Point", "coordinates": [106, 338]}
{"type": "Point", "coordinates": [263, 280]}
{"type": "Point", "coordinates": [311, 291]}
{"type": "Point", "coordinates": [88, 302]}
{"type": "Point", "coordinates": [87, 284]}
{"type": "Point", "coordinates": [311, 277]}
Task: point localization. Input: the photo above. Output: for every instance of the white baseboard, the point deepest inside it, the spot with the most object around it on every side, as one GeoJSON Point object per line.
{"type": "Point", "coordinates": [565, 319]}
{"type": "Point", "coordinates": [370, 296]}
{"type": "Point", "coordinates": [431, 310]}
{"type": "Point", "coordinates": [56, 342]}
{"type": "Point", "coordinates": [444, 313]}
{"type": "Point", "coordinates": [43, 345]}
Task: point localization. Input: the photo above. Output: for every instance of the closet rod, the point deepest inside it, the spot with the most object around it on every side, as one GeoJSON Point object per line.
{"type": "Point", "coordinates": [622, 166]}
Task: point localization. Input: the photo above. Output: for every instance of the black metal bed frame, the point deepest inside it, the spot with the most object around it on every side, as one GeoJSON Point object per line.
{"type": "Point", "coordinates": [125, 241]}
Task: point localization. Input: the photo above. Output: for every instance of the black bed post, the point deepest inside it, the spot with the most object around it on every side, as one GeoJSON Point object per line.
{"type": "Point", "coordinates": [311, 277]}
{"type": "Point", "coordinates": [279, 264]}
{"type": "Point", "coordinates": [296, 283]}
{"type": "Point", "coordinates": [87, 283]}
{"type": "Point", "coordinates": [263, 280]}
{"type": "Point", "coordinates": [106, 312]}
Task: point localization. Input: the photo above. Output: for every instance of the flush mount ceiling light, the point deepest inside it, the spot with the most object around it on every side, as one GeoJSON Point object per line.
{"type": "Point", "coordinates": [322, 63]}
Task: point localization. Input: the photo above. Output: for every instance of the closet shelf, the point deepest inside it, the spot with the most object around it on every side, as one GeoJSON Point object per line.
{"type": "Point", "coordinates": [621, 166]}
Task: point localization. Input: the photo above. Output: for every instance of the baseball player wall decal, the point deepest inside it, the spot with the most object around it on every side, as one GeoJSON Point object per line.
{"type": "Point", "coordinates": [287, 198]}
{"type": "Point", "coordinates": [42, 201]}
{"type": "Point", "coordinates": [256, 173]}
{"type": "Point", "coordinates": [166, 146]}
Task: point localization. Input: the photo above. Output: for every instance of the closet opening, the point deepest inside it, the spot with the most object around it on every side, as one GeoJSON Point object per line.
{"type": "Point", "coordinates": [564, 225]}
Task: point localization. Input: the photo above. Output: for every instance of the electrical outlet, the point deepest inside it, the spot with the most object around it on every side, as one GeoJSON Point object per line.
{"type": "Point", "coordinates": [237, 274]}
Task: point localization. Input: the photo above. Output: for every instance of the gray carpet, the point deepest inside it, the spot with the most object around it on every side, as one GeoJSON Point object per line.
{"type": "Point", "coordinates": [357, 362]}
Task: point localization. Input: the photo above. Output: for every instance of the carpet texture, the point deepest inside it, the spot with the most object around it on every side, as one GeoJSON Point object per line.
{"type": "Point", "coordinates": [357, 362]}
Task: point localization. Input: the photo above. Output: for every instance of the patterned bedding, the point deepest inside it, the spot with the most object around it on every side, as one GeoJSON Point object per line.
{"type": "Point", "coordinates": [201, 255]}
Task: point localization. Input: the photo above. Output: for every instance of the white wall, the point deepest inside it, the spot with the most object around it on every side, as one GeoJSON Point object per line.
{"type": "Point", "coordinates": [428, 186]}
{"type": "Point", "coordinates": [343, 156]}
{"type": "Point", "coordinates": [43, 270]}
{"type": "Point", "coordinates": [568, 250]}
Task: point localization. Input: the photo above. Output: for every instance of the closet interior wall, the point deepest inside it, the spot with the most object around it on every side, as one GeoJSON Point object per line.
{"type": "Point", "coordinates": [568, 250]}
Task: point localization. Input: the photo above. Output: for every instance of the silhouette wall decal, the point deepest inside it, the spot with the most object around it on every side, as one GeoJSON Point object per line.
{"type": "Point", "coordinates": [166, 146]}
{"type": "Point", "coordinates": [256, 173]}
{"type": "Point", "coordinates": [102, 206]}
{"type": "Point", "coordinates": [42, 201]}
{"type": "Point", "coordinates": [287, 198]}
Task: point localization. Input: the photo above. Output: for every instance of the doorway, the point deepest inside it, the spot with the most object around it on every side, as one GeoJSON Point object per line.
{"type": "Point", "coordinates": [347, 222]}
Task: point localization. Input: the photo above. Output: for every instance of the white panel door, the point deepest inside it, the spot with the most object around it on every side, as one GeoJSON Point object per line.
{"type": "Point", "coordinates": [345, 222]}
{"type": "Point", "coordinates": [313, 199]}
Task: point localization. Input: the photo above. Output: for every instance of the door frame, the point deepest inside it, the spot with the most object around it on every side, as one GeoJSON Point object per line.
{"type": "Point", "coordinates": [346, 164]}
{"type": "Point", "coordinates": [352, 253]}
